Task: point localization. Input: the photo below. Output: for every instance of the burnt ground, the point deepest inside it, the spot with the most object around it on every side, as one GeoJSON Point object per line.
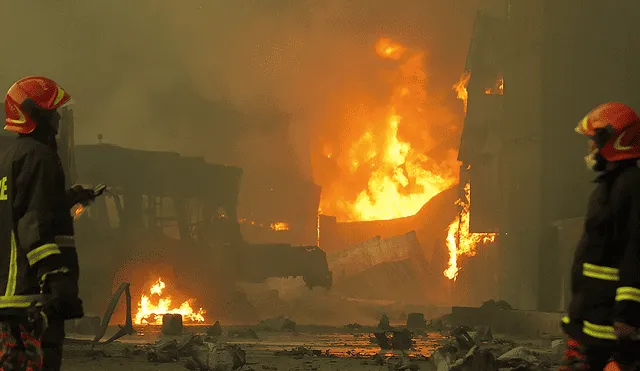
{"type": "Point", "coordinates": [340, 348]}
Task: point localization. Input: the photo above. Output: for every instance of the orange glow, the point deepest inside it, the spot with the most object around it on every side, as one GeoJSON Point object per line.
{"type": "Point", "coordinates": [379, 166]}
{"type": "Point", "coordinates": [498, 89]}
{"type": "Point", "coordinates": [152, 307]}
{"type": "Point", "coordinates": [78, 210]}
{"type": "Point", "coordinates": [461, 89]}
{"type": "Point", "coordinates": [279, 226]}
{"type": "Point", "coordinates": [459, 240]}
{"type": "Point", "coordinates": [386, 48]}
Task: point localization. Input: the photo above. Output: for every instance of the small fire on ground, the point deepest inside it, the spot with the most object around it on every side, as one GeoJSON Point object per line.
{"type": "Point", "coordinates": [459, 240]}
{"type": "Point", "coordinates": [151, 308]}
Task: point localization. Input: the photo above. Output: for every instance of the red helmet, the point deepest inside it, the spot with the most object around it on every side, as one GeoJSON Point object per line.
{"type": "Point", "coordinates": [45, 93]}
{"type": "Point", "coordinates": [614, 129]}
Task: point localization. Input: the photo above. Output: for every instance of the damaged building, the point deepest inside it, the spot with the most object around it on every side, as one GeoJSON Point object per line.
{"type": "Point", "coordinates": [167, 215]}
{"type": "Point", "coordinates": [558, 60]}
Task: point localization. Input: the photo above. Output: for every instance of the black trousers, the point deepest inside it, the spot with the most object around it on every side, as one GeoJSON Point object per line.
{"type": "Point", "coordinates": [52, 344]}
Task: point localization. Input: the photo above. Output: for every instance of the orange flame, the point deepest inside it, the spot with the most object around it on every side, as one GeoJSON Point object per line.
{"type": "Point", "coordinates": [459, 240]}
{"type": "Point", "coordinates": [498, 89]}
{"type": "Point", "coordinates": [279, 226]}
{"type": "Point", "coordinates": [150, 313]}
{"type": "Point", "coordinates": [461, 89]}
{"type": "Point", "coordinates": [383, 171]}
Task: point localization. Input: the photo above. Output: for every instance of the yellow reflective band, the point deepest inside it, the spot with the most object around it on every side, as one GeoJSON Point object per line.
{"type": "Point", "coordinates": [65, 241]}
{"type": "Point", "coordinates": [566, 320]}
{"type": "Point", "coordinates": [628, 293]}
{"type": "Point", "coordinates": [21, 301]}
{"type": "Point", "coordinates": [12, 278]}
{"type": "Point", "coordinates": [600, 273]}
{"type": "Point", "coordinates": [43, 280]}
{"type": "Point", "coordinates": [598, 331]}
{"type": "Point", "coordinates": [42, 252]}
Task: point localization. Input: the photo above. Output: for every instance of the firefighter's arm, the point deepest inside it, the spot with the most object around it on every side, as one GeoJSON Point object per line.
{"type": "Point", "coordinates": [627, 298]}
{"type": "Point", "coordinates": [52, 255]}
{"type": "Point", "coordinates": [36, 229]}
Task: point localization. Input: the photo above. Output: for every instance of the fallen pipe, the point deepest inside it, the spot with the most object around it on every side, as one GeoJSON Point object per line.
{"type": "Point", "coordinates": [127, 329]}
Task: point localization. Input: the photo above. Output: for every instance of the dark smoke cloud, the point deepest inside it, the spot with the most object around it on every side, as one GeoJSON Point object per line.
{"type": "Point", "coordinates": [241, 82]}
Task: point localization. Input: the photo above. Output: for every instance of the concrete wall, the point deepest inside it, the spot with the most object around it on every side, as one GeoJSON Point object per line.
{"type": "Point", "coordinates": [562, 59]}
{"type": "Point", "coordinates": [520, 157]}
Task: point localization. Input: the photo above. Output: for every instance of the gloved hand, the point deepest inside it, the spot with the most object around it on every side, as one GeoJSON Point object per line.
{"type": "Point", "coordinates": [64, 302]}
{"type": "Point", "coordinates": [78, 194]}
{"type": "Point", "coordinates": [38, 321]}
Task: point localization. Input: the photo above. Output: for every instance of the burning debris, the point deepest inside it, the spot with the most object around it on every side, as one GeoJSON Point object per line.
{"type": "Point", "coordinates": [152, 308]}
{"type": "Point", "coordinates": [460, 241]}
{"type": "Point", "coordinates": [279, 226]}
{"type": "Point", "coordinates": [382, 172]}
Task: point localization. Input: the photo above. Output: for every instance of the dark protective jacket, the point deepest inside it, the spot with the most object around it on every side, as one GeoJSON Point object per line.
{"type": "Point", "coordinates": [605, 275]}
{"type": "Point", "coordinates": [37, 245]}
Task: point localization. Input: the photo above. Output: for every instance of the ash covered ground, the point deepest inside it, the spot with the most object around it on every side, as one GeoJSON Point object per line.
{"type": "Point", "coordinates": [351, 347]}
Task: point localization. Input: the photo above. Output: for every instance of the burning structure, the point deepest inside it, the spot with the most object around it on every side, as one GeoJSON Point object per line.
{"type": "Point", "coordinates": [388, 170]}
{"type": "Point", "coordinates": [175, 217]}
{"type": "Point", "coordinates": [526, 171]}
{"type": "Point", "coordinates": [171, 215]}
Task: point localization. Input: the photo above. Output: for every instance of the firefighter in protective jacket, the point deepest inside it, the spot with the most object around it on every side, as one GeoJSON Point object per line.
{"type": "Point", "coordinates": [604, 313]}
{"type": "Point", "coordinates": [39, 264]}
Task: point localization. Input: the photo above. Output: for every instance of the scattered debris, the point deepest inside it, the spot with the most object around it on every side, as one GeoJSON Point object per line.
{"type": "Point", "coordinates": [215, 330]}
{"type": "Point", "coordinates": [171, 324]}
{"type": "Point", "coordinates": [277, 324]}
{"type": "Point", "coordinates": [416, 322]}
{"type": "Point", "coordinates": [218, 357]}
{"type": "Point", "coordinates": [395, 339]}
{"type": "Point", "coordinates": [405, 363]}
{"type": "Point", "coordinates": [300, 352]}
{"type": "Point", "coordinates": [384, 323]}
{"type": "Point", "coordinates": [163, 352]}
{"type": "Point", "coordinates": [484, 335]}
{"type": "Point", "coordinates": [465, 341]}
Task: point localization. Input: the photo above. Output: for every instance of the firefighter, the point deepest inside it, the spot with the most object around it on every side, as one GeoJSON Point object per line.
{"type": "Point", "coordinates": [38, 262]}
{"type": "Point", "coordinates": [604, 312]}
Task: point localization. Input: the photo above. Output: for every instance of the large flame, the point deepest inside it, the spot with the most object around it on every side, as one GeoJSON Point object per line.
{"type": "Point", "coordinates": [381, 168]}
{"type": "Point", "coordinates": [459, 240]}
{"type": "Point", "coordinates": [461, 89]}
{"type": "Point", "coordinates": [151, 311]}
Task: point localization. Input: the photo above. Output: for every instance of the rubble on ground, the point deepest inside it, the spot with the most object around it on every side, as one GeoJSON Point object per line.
{"type": "Point", "coordinates": [200, 355]}
{"type": "Point", "coordinates": [485, 353]}
{"type": "Point", "coordinates": [394, 339]}
{"type": "Point", "coordinates": [215, 330]}
{"type": "Point", "coordinates": [300, 352]}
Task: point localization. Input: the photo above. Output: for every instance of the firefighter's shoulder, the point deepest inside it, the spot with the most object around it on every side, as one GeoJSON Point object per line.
{"type": "Point", "coordinates": [34, 149]}
{"type": "Point", "coordinates": [628, 182]}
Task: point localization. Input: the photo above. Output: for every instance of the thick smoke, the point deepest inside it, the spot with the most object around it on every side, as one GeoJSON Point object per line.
{"type": "Point", "coordinates": [240, 82]}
